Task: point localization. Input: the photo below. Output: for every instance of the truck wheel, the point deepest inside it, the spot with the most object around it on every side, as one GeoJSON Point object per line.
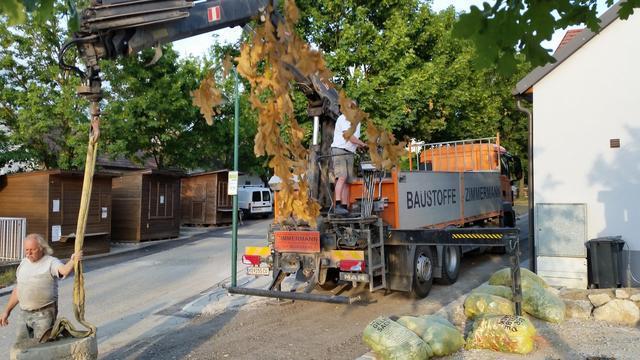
{"type": "Point", "coordinates": [423, 264]}
{"type": "Point", "coordinates": [450, 265]}
{"type": "Point", "coordinates": [508, 219]}
{"type": "Point", "coordinates": [330, 283]}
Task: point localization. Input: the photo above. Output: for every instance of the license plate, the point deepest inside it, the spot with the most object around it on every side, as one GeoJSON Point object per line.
{"type": "Point", "coordinates": [257, 270]}
{"type": "Point", "coordinates": [346, 276]}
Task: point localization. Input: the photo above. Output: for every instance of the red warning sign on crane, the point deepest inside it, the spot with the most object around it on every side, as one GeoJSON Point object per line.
{"type": "Point", "coordinates": [213, 13]}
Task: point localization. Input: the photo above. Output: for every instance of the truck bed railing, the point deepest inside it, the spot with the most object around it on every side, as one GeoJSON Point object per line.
{"type": "Point", "coordinates": [462, 155]}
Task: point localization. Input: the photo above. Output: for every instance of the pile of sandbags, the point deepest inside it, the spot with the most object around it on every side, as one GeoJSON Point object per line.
{"type": "Point", "coordinates": [392, 341]}
{"type": "Point", "coordinates": [505, 333]}
{"type": "Point", "coordinates": [495, 326]}
{"type": "Point", "coordinates": [537, 300]}
{"type": "Point", "coordinates": [497, 290]}
{"type": "Point", "coordinates": [480, 304]}
{"type": "Point", "coordinates": [412, 337]}
{"type": "Point", "coordinates": [440, 335]}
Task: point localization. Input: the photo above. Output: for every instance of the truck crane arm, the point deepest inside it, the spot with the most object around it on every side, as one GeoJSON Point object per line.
{"type": "Point", "coordinates": [114, 28]}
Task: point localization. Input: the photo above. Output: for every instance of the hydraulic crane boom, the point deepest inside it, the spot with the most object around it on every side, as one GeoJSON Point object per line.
{"type": "Point", "coordinates": [113, 28]}
{"type": "Point", "coordinates": [126, 27]}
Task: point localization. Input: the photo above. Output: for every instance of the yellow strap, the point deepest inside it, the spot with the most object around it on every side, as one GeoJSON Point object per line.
{"type": "Point", "coordinates": [63, 324]}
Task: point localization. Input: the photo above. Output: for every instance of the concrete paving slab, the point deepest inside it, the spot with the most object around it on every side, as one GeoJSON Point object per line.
{"type": "Point", "coordinates": [65, 349]}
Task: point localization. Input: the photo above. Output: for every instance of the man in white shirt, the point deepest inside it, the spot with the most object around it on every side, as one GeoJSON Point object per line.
{"type": "Point", "coordinates": [36, 288]}
{"type": "Point", "coordinates": [342, 152]}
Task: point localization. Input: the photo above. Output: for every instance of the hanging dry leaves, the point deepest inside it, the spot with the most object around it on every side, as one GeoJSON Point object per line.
{"type": "Point", "coordinates": [227, 65]}
{"type": "Point", "coordinates": [265, 62]}
{"type": "Point", "coordinates": [207, 97]}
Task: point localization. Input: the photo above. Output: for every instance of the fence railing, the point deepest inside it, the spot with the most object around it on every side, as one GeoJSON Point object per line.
{"type": "Point", "coordinates": [12, 232]}
{"type": "Point", "coordinates": [462, 155]}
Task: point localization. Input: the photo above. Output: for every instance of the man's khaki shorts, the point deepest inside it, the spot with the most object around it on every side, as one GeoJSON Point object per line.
{"type": "Point", "coordinates": [35, 323]}
{"type": "Point", "coordinates": [343, 164]}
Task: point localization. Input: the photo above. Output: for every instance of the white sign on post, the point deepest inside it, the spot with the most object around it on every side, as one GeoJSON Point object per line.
{"type": "Point", "coordinates": [56, 205]}
{"type": "Point", "coordinates": [233, 183]}
{"type": "Point", "coordinates": [56, 233]}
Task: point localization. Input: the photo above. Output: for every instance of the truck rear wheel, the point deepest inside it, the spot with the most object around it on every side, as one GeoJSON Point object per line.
{"type": "Point", "coordinates": [331, 281]}
{"type": "Point", "coordinates": [451, 258]}
{"type": "Point", "coordinates": [423, 263]}
{"type": "Point", "coordinates": [508, 219]}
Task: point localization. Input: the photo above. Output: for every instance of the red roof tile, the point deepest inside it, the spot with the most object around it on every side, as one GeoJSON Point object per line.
{"type": "Point", "coordinates": [568, 36]}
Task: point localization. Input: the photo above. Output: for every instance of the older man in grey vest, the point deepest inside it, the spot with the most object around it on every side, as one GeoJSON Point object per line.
{"type": "Point", "coordinates": [36, 289]}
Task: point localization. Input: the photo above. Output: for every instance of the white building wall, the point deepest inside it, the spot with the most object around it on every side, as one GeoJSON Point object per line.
{"type": "Point", "coordinates": [592, 97]}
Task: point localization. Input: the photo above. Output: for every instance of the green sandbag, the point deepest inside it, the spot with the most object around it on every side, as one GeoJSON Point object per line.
{"type": "Point", "coordinates": [543, 304]}
{"type": "Point", "coordinates": [528, 278]}
{"type": "Point", "coordinates": [392, 341]}
{"type": "Point", "coordinates": [437, 332]}
{"type": "Point", "coordinates": [506, 333]}
{"type": "Point", "coordinates": [497, 290]}
{"type": "Point", "coordinates": [477, 304]}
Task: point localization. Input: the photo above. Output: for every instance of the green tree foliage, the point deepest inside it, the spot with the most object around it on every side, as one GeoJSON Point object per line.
{"type": "Point", "coordinates": [400, 60]}
{"type": "Point", "coordinates": [44, 119]}
{"type": "Point", "coordinates": [508, 27]}
{"type": "Point", "coordinates": [149, 113]}
{"type": "Point", "coordinates": [499, 30]}
{"type": "Point", "coordinates": [18, 11]}
{"type": "Point", "coordinates": [148, 108]}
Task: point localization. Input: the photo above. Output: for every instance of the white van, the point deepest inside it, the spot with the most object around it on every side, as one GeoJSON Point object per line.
{"type": "Point", "coordinates": [255, 200]}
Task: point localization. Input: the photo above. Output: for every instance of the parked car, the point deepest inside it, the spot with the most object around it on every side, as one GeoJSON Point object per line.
{"type": "Point", "coordinates": [255, 201]}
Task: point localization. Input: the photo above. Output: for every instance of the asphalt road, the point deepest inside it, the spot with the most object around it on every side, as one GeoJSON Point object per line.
{"type": "Point", "coordinates": [137, 294]}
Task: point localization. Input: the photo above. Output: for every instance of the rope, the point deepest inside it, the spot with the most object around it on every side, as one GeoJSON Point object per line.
{"type": "Point", "coordinates": [63, 326]}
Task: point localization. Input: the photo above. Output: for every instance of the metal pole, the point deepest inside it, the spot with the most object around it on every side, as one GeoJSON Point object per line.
{"type": "Point", "coordinates": [234, 221]}
{"type": "Point", "coordinates": [316, 130]}
{"type": "Point", "coordinates": [532, 253]}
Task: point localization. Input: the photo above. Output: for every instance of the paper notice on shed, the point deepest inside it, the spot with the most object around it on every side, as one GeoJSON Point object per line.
{"type": "Point", "coordinates": [56, 232]}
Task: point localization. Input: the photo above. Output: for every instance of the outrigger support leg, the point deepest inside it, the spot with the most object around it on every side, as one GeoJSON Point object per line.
{"type": "Point", "coordinates": [294, 295]}
{"type": "Point", "coordinates": [277, 280]}
{"type": "Point", "coordinates": [312, 283]}
{"type": "Point", "coordinates": [513, 247]}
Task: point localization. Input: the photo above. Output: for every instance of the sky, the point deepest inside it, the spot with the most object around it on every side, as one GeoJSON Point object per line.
{"type": "Point", "coordinates": [198, 45]}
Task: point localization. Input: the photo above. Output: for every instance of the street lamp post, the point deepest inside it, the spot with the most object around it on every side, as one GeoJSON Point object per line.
{"type": "Point", "coordinates": [234, 221]}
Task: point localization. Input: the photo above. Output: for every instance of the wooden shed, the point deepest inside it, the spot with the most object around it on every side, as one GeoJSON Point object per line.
{"type": "Point", "coordinates": [146, 205]}
{"type": "Point", "coordinates": [204, 198]}
{"type": "Point", "coordinates": [50, 201]}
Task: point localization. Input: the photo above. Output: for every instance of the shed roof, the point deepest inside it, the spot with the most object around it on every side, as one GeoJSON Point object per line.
{"type": "Point", "coordinates": [212, 172]}
{"type": "Point", "coordinates": [74, 173]}
{"type": "Point", "coordinates": [165, 172]}
{"type": "Point", "coordinates": [124, 163]}
{"type": "Point", "coordinates": [564, 52]}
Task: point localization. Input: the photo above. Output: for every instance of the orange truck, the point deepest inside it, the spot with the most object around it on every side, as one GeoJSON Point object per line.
{"type": "Point", "coordinates": [406, 228]}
